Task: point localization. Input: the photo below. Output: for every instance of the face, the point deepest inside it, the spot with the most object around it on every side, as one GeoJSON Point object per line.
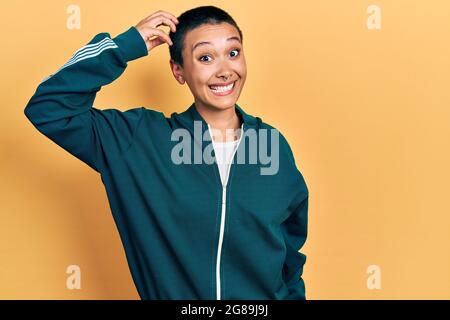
{"type": "Point", "coordinates": [213, 56]}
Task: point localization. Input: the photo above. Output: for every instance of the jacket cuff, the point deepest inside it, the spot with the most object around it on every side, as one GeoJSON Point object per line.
{"type": "Point", "coordinates": [131, 44]}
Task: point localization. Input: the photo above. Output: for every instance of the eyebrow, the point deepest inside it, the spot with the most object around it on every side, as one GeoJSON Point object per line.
{"type": "Point", "coordinates": [207, 42]}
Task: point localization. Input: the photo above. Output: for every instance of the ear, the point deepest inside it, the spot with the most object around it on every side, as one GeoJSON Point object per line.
{"type": "Point", "coordinates": [177, 71]}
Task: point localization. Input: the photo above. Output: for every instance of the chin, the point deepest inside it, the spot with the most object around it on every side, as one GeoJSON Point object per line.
{"type": "Point", "coordinates": [222, 106]}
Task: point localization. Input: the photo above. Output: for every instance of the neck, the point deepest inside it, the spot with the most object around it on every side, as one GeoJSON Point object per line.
{"type": "Point", "coordinates": [223, 122]}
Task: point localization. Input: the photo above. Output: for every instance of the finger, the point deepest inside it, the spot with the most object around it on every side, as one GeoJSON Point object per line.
{"type": "Point", "coordinates": [162, 20]}
{"type": "Point", "coordinates": [166, 14]}
{"type": "Point", "coordinates": [156, 42]}
{"type": "Point", "coordinates": [162, 34]}
{"type": "Point", "coordinates": [169, 15]}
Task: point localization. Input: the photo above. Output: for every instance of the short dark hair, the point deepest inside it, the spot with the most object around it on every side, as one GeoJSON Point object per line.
{"type": "Point", "coordinates": [192, 19]}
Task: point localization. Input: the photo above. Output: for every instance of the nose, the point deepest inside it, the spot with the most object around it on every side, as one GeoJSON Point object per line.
{"type": "Point", "coordinates": [225, 77]}
{"type": "Point", "coordinates": [225, 71]}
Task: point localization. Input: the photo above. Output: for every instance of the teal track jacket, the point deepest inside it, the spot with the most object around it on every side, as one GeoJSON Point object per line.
{"type": "Point", "coordinates": [185, 235]}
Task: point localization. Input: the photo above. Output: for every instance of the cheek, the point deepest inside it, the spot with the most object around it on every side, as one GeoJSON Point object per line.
{"type": "Point", "coordinates": [243, 75]}
{"type": "Point", "coordinates": [201, 76]}
{"type": "Point", "coordinates": [242, 68]}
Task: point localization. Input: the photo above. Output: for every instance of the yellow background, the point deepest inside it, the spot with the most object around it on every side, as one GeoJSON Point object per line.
{"type": "Point", "coordinates": [366, 113]}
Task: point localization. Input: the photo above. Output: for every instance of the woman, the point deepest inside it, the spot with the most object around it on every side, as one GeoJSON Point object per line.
{"type": "Point", "coordinates": [192, 228]}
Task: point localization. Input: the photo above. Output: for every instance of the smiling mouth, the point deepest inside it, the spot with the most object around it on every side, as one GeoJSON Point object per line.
{"type": "Point", "coordinates": [223, 90]}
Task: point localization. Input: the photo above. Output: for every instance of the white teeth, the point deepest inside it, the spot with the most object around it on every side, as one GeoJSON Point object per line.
{"type": "Point", "coordinates": [222, 88]}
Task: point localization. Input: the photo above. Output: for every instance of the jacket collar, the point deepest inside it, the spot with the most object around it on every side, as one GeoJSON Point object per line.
{"type": "Point", "coordinates": [192, 114]}
{"type": "Point", "coordinates": [192, 120]}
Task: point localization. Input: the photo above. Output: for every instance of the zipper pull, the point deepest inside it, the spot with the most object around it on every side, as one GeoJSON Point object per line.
{"type": "Point", "coordinates": [224, 194]}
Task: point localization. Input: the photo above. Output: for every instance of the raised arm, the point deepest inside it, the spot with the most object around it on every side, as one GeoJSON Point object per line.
{"type": "Point", "coordinates": [62, 106]}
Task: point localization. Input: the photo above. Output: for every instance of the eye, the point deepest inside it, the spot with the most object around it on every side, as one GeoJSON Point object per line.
{"type": "Point", "coordinates": [202, 57]}
{"type": "Point", "coordinates": [238, 52]}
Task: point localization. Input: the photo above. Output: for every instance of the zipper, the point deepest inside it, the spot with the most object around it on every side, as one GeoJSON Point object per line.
{"type": "Point", "coordinates": [223, 213]}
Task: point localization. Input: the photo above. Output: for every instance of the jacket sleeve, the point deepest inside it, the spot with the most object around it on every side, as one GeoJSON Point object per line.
{"type": "Point", "coordinates": [62, 105]}
{"type": "Point", "coordinates": [295, 230]}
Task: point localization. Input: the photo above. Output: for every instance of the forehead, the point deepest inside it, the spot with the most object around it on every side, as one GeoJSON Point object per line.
{"type": "Point", "coordinates": [213, 33]}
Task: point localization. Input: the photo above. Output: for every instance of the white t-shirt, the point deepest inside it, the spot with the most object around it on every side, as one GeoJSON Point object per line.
{"type": "Point", "coordinates": [224, 152]}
